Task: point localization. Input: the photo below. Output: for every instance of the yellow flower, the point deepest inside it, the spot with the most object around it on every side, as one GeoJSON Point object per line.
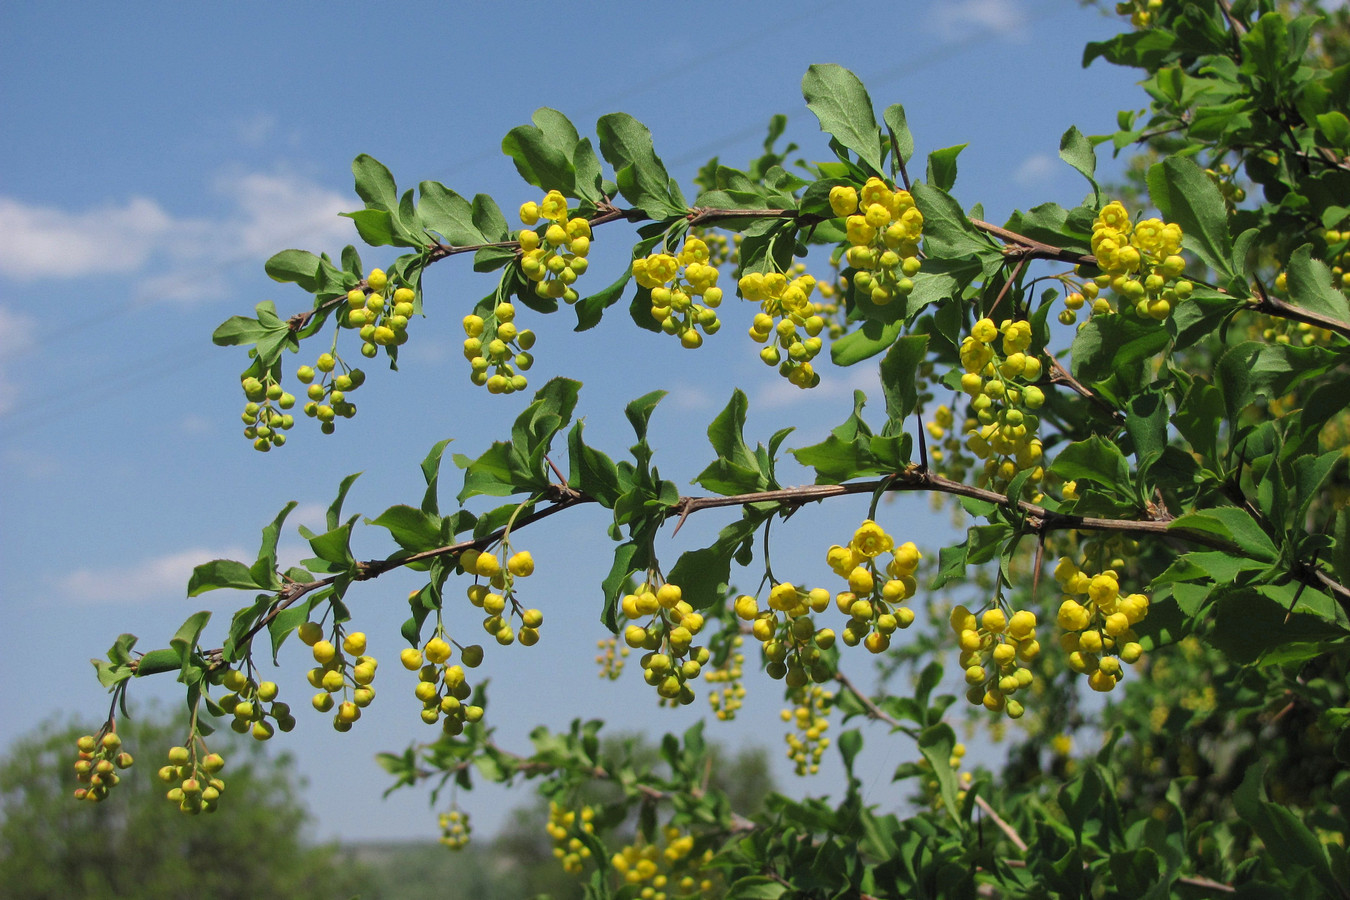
{"type": "Point", "coordinates": [554, 207]}
{"type": "Point", "coordinates": [870, 540]}
{"type": "Point", "coordinates": [1113, 216]}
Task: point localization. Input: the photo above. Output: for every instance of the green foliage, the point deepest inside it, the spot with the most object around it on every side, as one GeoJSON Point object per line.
{"type": "Point", "coordinates": [135, 846]}
{"type": "Point", "coordinates": [1167, 451]}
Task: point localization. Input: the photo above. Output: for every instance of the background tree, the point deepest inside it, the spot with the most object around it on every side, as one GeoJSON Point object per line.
{"type": "Point", "coordinates": [52, 848]}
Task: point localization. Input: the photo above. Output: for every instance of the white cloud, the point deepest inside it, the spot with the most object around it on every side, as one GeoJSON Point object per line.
{"type": "Point", "coordinates": [179, 259]}
{"type": "Point", "coordinates": [836, 386]}
{"type": "Point", "coordinates": [16, 339]}
{"type": "Point", "coordinates": [313, 516]}
{"type": "Point", "coordinates": [1035, 169]}
{"type": "Point", "coordinates": [160, 578]}
{"type": "Point", "coordinates": [964, 18]}
{"type": "Point", "coordinates": [33, 465]}
{"type": "Point", "coordinates": [42, 242]}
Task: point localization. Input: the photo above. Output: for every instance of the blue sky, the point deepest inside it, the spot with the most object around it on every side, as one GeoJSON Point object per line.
{"type": "Point", "coordinates": [157, 153]}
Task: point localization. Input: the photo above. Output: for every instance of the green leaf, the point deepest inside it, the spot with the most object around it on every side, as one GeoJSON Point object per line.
{"type": "Point", "coordinates": [590, 309]}
{"type": "Point", "coordinates": [1311, 287]}
{"type": "Point", "coordinates": [185, 640]}
{"type": "Point", "coordinates": [448, 214]}
{"type": "Point", "coordinates": [1275, 624]}
{"type": "Point", "coordinates": [1230, 523]}
{"type": "Point", "coordinates": [704, 575]}
{"type": "Point", "coordinates": [639, 412]}
{"type": "Point", "coordinates": [947, 231]}
{"type": "Point", "coordinates": [1292, 847]}
{"type": "Point", "coordinates": [1336, 128]}
{"type": "Point", "coordinates": [642, 178]}
{"type": "Point", "coordinates": [846, 453]}
{"type": "Point", "coordinates": [844, 109]}
{"type": "Point", "coordinates": [265, 567]}
{"type": "Point", "coordinates": [902, 142]}
{"type": "Point", "coordinates": [850, 745]}
{"type": "Point", "coordinates": [1115, 345]}
{"type": "Point", "coordinates": [158, 661]}
{"type": "Point", "coordinates": [942, 167]}
{"type": "Point", "coordinates": [936, 743]}
{"type": "Point", "coordinates": [865, 342]}
{"type": "Point", "coordinates": [1095, 459]}
{"type": "Point", "coordinates": [1187, 196]}
{"type": "Point", "coordinates": [333, 516]}
{"type": "Point", "coordinates": [1076, 150]}
{"type": "Point", "coordinates": [488, 218]}
{"type": "Point", "coordinates": [376, 227]}
{"type": "Point", "coordinates": [756, 887]}
{"type": "Point", "coordinates": [431, 472]}
{"type": "Point", "coordinates": [1079, 798]}
{"type": "Point", "coordinates": [411, 528]}
{"type": "Point", "coordinates": [626, 559]}
{"type": "Point", "coordinates": [1146, 421]}
{"type": "Point", "coordinates": [299, 266]}
{"type": "Point", "coordinates": [1256, 369]}
{"type": "Point", "coordinates": [592, 472]}
{"type": "Point", "coordinates": [899, 371]}
{"type": "Point", "coordinates": [221, 573]}
{"type": "Point", "coordinates": [736, 470]}
{"type": "Point", "coordinates": [543, 151]}
{"type": "Point", "coordinates": [374, 184]}
{"type": "Point", "coordinates": [242, 330]}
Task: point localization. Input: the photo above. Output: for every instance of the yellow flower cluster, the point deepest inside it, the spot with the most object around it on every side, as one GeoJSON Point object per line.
{"type": "Point", "coordinates": [728, 699]}
{"type": "Point", "coordinates": [455, 829]}
{"type": "Point", "coordinates": [336, 674]}
{"type": "Point", "coordinates": [327, 396]}
{"type": "Point", "coordinates": [992, 645]}
{"type": "Point", "coordinates": [1003, 430]}
{"type": "Point", "coordinates": [807, 743]}
{"type": "Point", "coordinates": [611, 657]}
{"type": "Point", "coordinates": [671, 660]}
{"type": "Point", "coordinates": [442, 688]}
{"type": "Point", "coordinates": [554, 258]}
{"type": "Point", "coordinates": [789, 323]}
{"type": "Point", "coordinates": [1098, 623]}
{"type": "Point", "coordinates": [497, 343]}
{"type": "Point", "coordinates": [380, 317]}
{"type": "Point", "coordinates": [677, 283]}
{"type": "Point", "coordinates": [563, 828]}
{"type": "Point", "coordinates": [875, 593]}
{"type": "Point", "coordinates": [1140, 262]}
{"type": "Point", "coordinates": [499, 593]}
{"type": "Point", "coordinates": [884, 228]}
{"type": "Point", "coordinates": [251, 703]}
{"type": "Point", "coordinates": [197, 783]}
{"type": "Point", "coordinates": [1338, 254]}
{"type": "Point", "coordinates": [264, 423]}
{"type": "Point", "coordinates": [1141, 12]}
{"type": "Point", "coordinates": [791, 642]}
{"type": "Point", "coordinates": [673, 869]}
{"type": "Point", "coordinates": [100, 756]}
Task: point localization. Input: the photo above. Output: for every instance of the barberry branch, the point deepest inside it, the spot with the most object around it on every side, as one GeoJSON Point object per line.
{"type": "Point", "coordinates": [1037, 519]}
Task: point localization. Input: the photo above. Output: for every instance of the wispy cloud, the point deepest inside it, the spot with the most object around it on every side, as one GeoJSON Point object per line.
{"type": "Point", "coordinates": [180, 259]}
{"type": "Point", "coordinates": [38, 242]}
{"type": "Point", "coordinates": [1034, 170]}
{"type": "Point", "coordinates": [156, 579]}
{"type": "Point", "coordinates": [16, 331]}
{"type": "Point", "coordinates": [836, 386]}
{"type": "Point", "coordinates": [963, 18]}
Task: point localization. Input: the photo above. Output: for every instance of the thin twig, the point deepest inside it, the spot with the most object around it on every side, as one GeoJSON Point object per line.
{"type": "Point", "coordinates": [1008, 831]}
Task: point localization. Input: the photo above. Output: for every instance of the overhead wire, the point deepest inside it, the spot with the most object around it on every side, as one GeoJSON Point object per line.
{"type": "Point", "coordinates": [891, 75]}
